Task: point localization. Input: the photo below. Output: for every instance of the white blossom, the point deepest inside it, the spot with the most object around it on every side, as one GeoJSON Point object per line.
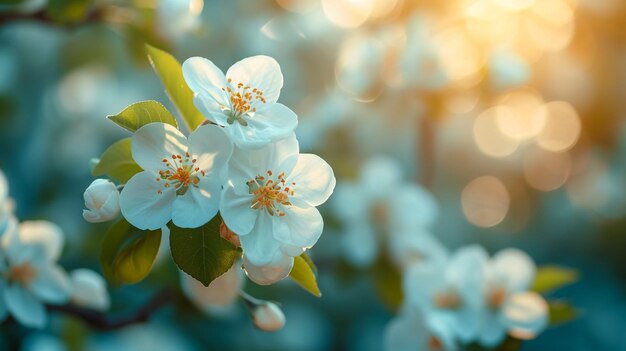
{"type": "Point", "coordinates": [31, 276]}
{"type": "Point", "coordinates": [244, 101]}
{"type": "Point", "coordinates": [182, 177]}
{"type": "Point", "coordinates": [102, 200]}
{"type": "Point", "coordinates": [267, 316]}
{"type": "Point", "coordinates": [270, 201]}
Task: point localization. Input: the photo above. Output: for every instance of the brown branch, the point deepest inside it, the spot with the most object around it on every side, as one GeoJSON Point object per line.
{"type": "Point", "coordinates": [93, 15]}
{"type": "Point", "coordinates": [101, 321]}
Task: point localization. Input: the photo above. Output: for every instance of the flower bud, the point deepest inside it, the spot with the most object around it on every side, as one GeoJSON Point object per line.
{"type": "Point", "coordinates": [268, 317]}
{"type": "Point", "coordinates": [229, 235]}
{"type": "Point", "coordinates": [102, 201]}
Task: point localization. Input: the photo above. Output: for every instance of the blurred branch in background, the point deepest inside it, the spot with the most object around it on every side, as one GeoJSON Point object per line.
{"type": "Point", "coordinates": [102, 321]}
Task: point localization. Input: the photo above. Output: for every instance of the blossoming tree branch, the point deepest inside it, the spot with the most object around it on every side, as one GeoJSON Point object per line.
{"type": "Point", "coordinates": [235, 191]}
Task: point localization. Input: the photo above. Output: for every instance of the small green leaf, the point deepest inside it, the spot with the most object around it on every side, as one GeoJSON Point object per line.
{"type": "Point", "coordinates": [201, 252]}
{"type": "Point", "coordinates": [128, 253]}
{"type": "Point", "coordinates": [171, 73]}
{"type": "Point", "coordinates": [303, 273]}
{"type": "Point", "coordinates": [561, 312]}
{"type": "Point", "coordinates": [117, 162]}
{"type": "Point", "coordinates": [141, 113]}
{"type": "Point", "coordinates": [388, 283]}
{"type": "Point", "coordinates": [68, 11]}
{"type": "Point", "coordinates": [550, 278]}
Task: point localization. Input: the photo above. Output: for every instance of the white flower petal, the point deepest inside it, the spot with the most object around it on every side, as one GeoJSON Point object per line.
{"type": "Point", "coordinates": [201, 74]}
{"type": "Point", "coordinates": [526, 315]}
{"type": "Point", "coordinates": [261, 72]}
{"type": "Point", "coordinates": [247, 138]}
{"type": "Point", "coordinates": [48, 234]}
{"type": "Point", "coordinates": [236, 211]}
{"type": "Point", "coordinates": [268, 317]}
{"type": "Point", "coordinates": [4, 187]}
{"type": "Point", "coordinates": [466, 271]}
{"type": "Point", "coordinates": [315, 181]}
{"type": "Point", "coordinates": [211, 148]}
{"type": "Point", "coordinates": [413, 206]}
{"type": "Point", "coordinates": [211, 104]}
{"type": "Point", "coordinates": [423, 281]}
{"type": "Point", "coordinates": [379, 174]}
{"type": "Point", "coordinates": [274, 121]}
{"type": "Point", "coordinates": [279, 268]}
{"type": "Point", "coordinates": [25, 307]}
{"type": "Point", "coordinates": [102, 201]}
{"type": "Point", "coordinates": [492, 330]}
{"type": "Point", "coordinates": [89, 289]}
{"type": "Point", "coordinates": [414, 246]}
{"type": "Point", "coordinates": [142, 206]}
{"type": "Point", "coordinates": [514, 268]}
{"type": "Point", "coordinates": [360, 244]}
{"type": "Point", "coordinates": [198, 205]}
{"type": "Point", "coordinates": [157, 141]}
{"type": "Point", "coordinates": [304, 226]}
{"type": "Point", "coordinates": [349, 203]}
{"type": "Point", "coordinates": [51, 284]}
{"type": "Point", "coordinates": [219, 296]}
{"type": "Point", "coordinates": [259, 246]}
{"type": "Point", "coordinates": [405, 333]}
{"type": "Point", "coordinates": [282, 154]}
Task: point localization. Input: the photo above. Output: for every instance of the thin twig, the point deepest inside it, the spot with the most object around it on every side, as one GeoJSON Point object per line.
{"type": "Point", "coordinates": [101, 321]}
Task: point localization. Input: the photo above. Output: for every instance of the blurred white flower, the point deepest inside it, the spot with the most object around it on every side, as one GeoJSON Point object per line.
{"type": "Point", "coordinates": [179, 17]}
{"type": "Point", "coordinates": [409, 331]}
{"type": "Point", "coordinates": [219, 297]}
{"type": "Point", "coordinates": [419, 64]}
{"type": "Point", "coordinates": [268, 317]}
{"type": "Point", "coordinates": [270, 201]}
{"type": "Point", "coordinates": [89, 289]}
{"type": "Point", "coordinates": [509, 307]}
{"type": "Point", "coordinates": [359, 65]}
{"type": "Point", "coordinates": [243, 101]}
{"type": "Point", "coordinates": [380, 207]}
{"type": "Point", "coordinates": [31, 276]}
{"type": "Point", "coordinates": [102, 201]}
{"type": "Point", "coordinates": [181, 179]}
{"type": "Point", "coordinates": [448, 291]}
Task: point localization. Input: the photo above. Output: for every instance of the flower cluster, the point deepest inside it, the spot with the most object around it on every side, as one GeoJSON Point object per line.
{"type": "Point", "coordinates": [30, 275]}
{"type": "Point", "coordinates": [467, 297]}
{"type": "Point", "coordinates": [243, 162]}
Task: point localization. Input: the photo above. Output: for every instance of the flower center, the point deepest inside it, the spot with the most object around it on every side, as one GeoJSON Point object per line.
{"type": "Point", "coordinates": [23, 273]}
{"type": "Point", "coordinates": [447, 300]}
{"type": "Point", "coordinates": [434, 343]}
{"type": "Point", "coordinates": [496, 298]}
{"type": "Point", "coordinates": [269, 193]}
{"type": "Point", "coordinates": [180, 173]}
{"type": "Point", "coordinates": [242, 100]}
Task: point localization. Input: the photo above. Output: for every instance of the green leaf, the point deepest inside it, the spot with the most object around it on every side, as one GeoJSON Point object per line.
{"type": "Point", "coordinates": [117, 162]}
{"type": "Point", "coordinates": [550, 278]}
{"type": "Point", "coordinates": [303, 273]}
{"type": "Point", "coordinates": [68, 11]}
{"type": "Point", "coordinates": [128, 253]}
{"type": "Point", "coordinates": [561, 312]}
{"type": "Point", "coordinates": [201, 252]}
{"type": "Point", "coordinates": [388, 283]}
{"type": "Point", "coordinates": [171, 74]}
{"type": "Point", "coordinates": [141, 113]}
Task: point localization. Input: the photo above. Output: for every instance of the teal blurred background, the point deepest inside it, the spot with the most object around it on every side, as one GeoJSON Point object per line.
{"type": "Point", "coordinates": [509, 111]}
